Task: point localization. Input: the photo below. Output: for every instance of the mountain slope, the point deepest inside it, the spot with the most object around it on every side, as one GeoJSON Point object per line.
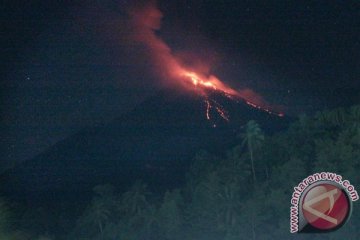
{"type": "Point", "coordinates": [154, 142]}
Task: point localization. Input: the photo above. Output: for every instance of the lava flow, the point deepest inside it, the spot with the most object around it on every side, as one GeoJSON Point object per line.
{"type": "Point", "coordinates": [145, 22]}
{"type": "Point", "coordinates": [203, 83]}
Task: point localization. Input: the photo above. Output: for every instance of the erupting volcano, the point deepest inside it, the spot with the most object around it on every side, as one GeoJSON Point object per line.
{"type": "Point", "coordinates": [145, 21]}
{"type": "Point", "coordinates": [205, 84]}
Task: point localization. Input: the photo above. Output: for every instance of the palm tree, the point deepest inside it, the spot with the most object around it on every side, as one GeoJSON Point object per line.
{"type": "Point", "coordinates": [252, 137]}
{"type": "Point", "coordinates": [170, 218]}
{"type": "Point", "coordinates": [100, 214]}
{"type": "Point", "coordinates": [134, 201]}
{"type": "Point", "coordinates": [134, 204]}
{"type": "Point", "coordinates": [229, 206]}
{"type": "Point", "coordinates": [100, 210]}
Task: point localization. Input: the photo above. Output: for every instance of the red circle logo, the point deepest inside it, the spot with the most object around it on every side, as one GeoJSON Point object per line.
{"type": "Point", "coordinates": [326, 207]}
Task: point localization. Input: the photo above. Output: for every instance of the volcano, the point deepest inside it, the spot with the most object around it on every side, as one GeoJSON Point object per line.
{"type": "Point", "coordinates": [155, 142]}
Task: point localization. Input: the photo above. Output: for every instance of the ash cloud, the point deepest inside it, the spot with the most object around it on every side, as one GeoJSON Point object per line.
{"type": "Point", "coordinates": [138, 34]}
{"type": "Point", "coordinates": [145, 20]}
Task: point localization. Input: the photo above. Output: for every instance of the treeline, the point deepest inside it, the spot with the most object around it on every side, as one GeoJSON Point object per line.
{"type": "Point", "coordinates": [242, 195]}
{"type": "Point", "coordinates": [245, 195]}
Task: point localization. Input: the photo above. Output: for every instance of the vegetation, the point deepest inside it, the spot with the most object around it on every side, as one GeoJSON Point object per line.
{"type": "Point", "coordinates": [246, 194]}
{"type": "Point", "coordinates": [242, 195]}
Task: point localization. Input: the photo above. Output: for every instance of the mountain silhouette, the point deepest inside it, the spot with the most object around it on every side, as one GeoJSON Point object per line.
{"type": "Point", "coordinates": [155, 142]}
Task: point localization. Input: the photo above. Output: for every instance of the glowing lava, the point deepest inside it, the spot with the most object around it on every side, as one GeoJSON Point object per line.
{"type": "Point", "coordinates": [210, 104]}
{"type": "Point", "coordinates": [203, 83]}
{"type": "Point", "coordinates": [145, 21]}
{"type": "Point", "coordinates": [210, 82]}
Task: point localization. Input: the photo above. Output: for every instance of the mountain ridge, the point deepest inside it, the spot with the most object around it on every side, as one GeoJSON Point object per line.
{"type": "Point", "coordinates": [154, 142]}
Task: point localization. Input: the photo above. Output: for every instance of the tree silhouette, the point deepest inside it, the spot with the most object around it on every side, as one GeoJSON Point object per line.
{"type": "Point", "coordinates": [218, 201]}
{"type": "Point", "coordinates": [252, 137]}
{"type": "Point", "coordinates": [99, 212]}
{"type": "Point", "coordinates": [170, 215]}
{"type": "Point", "coordinates": [134, 201]}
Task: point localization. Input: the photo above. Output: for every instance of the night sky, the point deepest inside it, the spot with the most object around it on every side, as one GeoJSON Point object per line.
{"type": "Point", "coordinates": [67, 65]}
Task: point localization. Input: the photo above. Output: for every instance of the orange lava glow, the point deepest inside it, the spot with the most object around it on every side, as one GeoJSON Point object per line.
{"type": "Point", "coordinates": [210, 82]}
{"type": "Point", "coordinates": [208, 106]}
{"type": "Point", "coordinates": [145, 22]}
{"type": "Point", "coordinates": [213, 83]}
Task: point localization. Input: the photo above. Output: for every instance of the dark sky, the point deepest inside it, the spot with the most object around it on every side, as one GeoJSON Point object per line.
{"type": "Point", "coordinates": [65, 65]}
